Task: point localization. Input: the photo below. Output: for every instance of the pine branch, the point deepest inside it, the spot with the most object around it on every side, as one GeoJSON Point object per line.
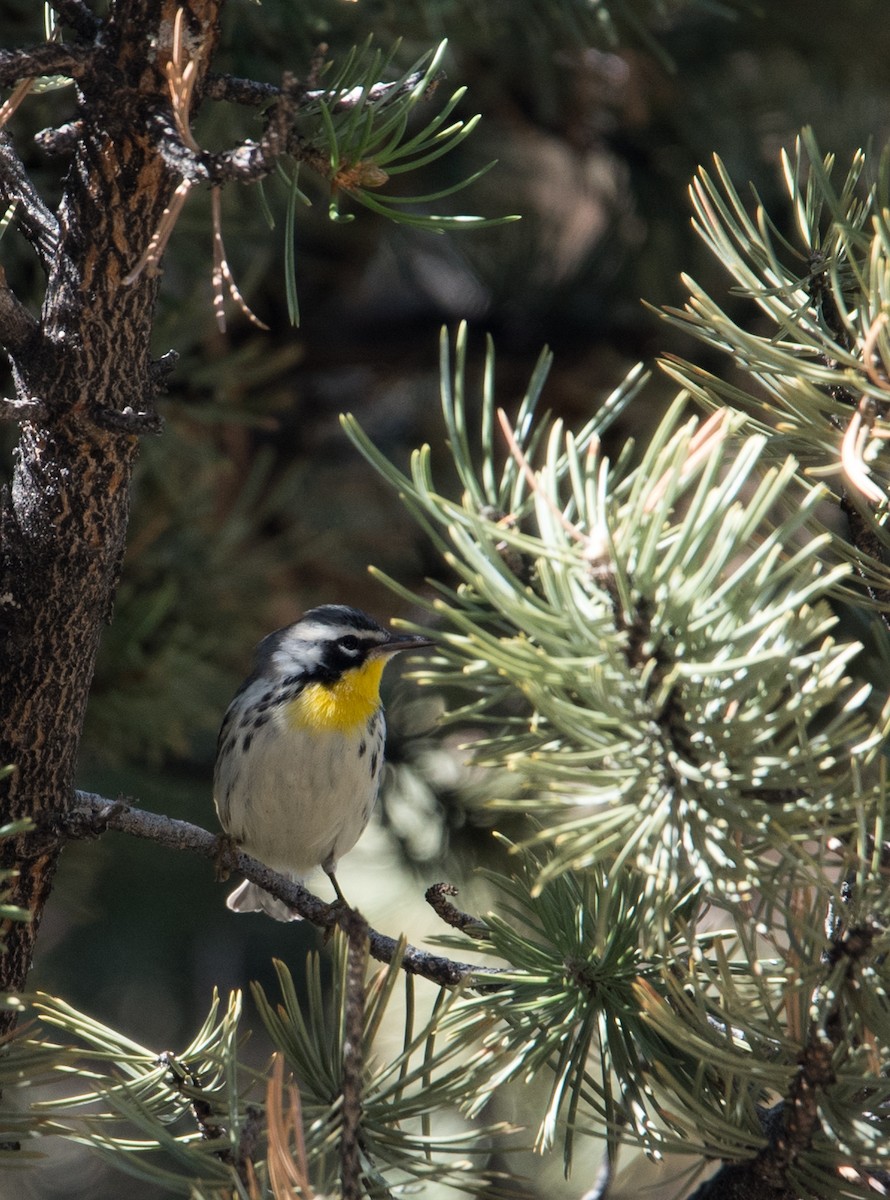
{"type": "Point", "coordinates": [245, 163]}
{"type": "Point", "coordinates": [251, 93]}
{"type": "Point", "coordinates": [93, 815]}
{"type": "Point", "coordinates": [235, 90]}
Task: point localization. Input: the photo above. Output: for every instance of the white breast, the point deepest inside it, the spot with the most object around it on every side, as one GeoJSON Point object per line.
{"type": "Point", "coordinates": [297, 800]}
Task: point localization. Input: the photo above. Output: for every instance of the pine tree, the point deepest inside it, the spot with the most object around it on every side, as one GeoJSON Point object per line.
{"type": "Point", "coordinates": [668, 657]}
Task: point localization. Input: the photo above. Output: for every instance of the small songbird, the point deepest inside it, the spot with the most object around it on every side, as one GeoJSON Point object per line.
{"type": "Point", "coordinates": [300, 751]}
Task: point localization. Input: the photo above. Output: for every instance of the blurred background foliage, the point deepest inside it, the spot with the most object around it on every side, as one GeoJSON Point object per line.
{"type": "Point", "coordinates": [252, 506]}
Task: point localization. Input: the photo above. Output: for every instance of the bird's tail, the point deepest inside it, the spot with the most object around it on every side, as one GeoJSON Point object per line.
{"type": "Point", "coordinates": [247, 897]}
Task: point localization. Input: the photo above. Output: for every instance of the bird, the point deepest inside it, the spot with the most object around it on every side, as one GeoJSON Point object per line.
{"type": "Point", "coordinates": [300, 750]}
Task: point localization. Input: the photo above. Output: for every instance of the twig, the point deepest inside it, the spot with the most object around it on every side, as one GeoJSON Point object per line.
{"type": "Point", "coordinates": [57, 140]}
{"type": "Point", "coordinates": [436, 898]}
{"type": "Point", "coordinates": [794, 1123]}
{"type": "Point", "coordinates": [161, 368]}
{"type": "Point", "coordinates": [127, 420]}
{"type": "Point", "coordinates": [32, 217]}
{"type": "Point", "coordinates": [93, 815]}
{"type": "Point", "coordinates": [76, 15]}
{"type": "Point", "coordinates": [18, 327]}
{"type": "Point", "coordinates": [47, 58]}
{"type": "Point", "coordinates": [351, 1087]}
{"type": "Point", "coordinates": [235, 90]}
{"type": "Point", "coordinates": [190, 1087]}
{"type": "Point", "coordinates": [12, 409]}
{"type": "Point", "coordinates": [248, 92]}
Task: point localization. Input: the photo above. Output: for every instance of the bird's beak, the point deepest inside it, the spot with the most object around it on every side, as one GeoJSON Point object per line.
{"type": "Point", "coordinates": [401, 641]}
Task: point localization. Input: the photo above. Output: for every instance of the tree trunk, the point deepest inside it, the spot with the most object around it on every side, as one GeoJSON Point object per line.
{"type": "Point", "coordinates": [84, 376]}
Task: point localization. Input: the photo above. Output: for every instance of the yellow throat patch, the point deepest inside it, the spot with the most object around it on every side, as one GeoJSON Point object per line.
{"type": "Point", "coordinates": [342, 706]}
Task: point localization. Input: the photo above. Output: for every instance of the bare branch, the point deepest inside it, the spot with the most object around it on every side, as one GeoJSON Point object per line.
{"type": "Point", "coordinates": [59, 139]}
{"type": "Point", "coordinates": [32, 216]}
{"type": "Point", "coordinates": [162, 367]}
{"type": "Point", "coordinates": [437, 898]}
{"type": "Point", "coordinates": [18, 327]}
{"type": "Point", "coordinates": [244, 163]}
{"type": "Point", "coordinates": [47, 58]}
{"type": "Point", "coordinates": [93, 815]}
{"type": "Point", "coordinates": [76, 15]}
{"type": "Point", "coordinates": [127, 420]}
{"type": "Point", "coordinates": [248, 92]}
{"type": "Point", "coordinates": [251, 160]}
{"type": "Point", "coordinates": [239, 91]}
{"type": "Point", "coordinates": [22, 410]}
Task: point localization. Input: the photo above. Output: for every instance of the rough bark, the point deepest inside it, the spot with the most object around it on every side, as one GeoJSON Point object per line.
{"type": "Point", "coordinates": [83, 375]}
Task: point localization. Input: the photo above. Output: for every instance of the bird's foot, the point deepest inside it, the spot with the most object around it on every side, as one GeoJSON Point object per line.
{"type": "Point", "coordinates": [224, 858]}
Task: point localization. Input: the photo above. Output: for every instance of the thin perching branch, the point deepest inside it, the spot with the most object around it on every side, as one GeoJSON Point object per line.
{"type": "Point", "coordinates": [92, 815]}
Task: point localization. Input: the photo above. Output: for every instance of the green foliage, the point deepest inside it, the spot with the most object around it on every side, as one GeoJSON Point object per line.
{"type": "Point", "coordinates": [407, 1085]}
{"type": "Point", "coordinates": [358, 133]}
{"type": "Point", "coordinates": [173, 1120]}
{"type": "Point", "coordinates": [568, 1007]}
{"type": "Point", "coordinates": [816, 368]}
{"type": "Point", "coordinates": [365, 135]}
{"type": "Point", "coordinates": [650, 644]}
{"type": "Point", "coordinates": [10, 912]}
{"type": "Point", "coordinates": [23, 1062]}
{"type": "Point", "coordinates": [194, 1123]}
{"type": "Point", "coordinates": [686, 708]}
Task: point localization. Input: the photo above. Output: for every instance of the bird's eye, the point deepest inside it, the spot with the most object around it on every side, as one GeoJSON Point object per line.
{"type": "Point", "coordinates": [349, 643]}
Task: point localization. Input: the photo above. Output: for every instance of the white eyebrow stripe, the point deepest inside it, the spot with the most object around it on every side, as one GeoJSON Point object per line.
{"type": "Point", "coordinates": [312, 631]}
